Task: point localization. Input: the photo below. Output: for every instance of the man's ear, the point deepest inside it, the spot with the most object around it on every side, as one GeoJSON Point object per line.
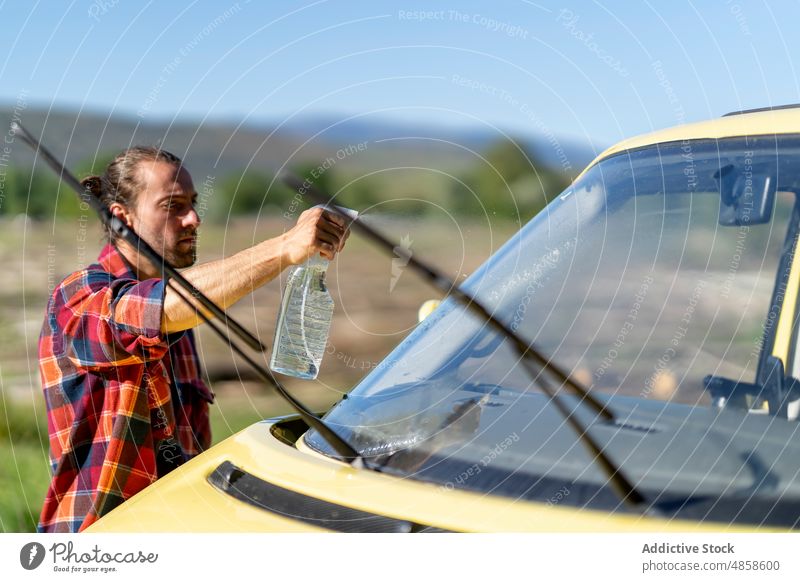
{"type": "Point", "coordinates": [122, 213]}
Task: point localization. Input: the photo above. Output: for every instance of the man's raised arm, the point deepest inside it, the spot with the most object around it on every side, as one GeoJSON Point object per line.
{"type": "Point", "coordinates": [225, 281]}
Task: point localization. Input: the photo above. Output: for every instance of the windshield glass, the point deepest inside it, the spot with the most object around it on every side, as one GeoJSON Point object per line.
{"type": "Point", "coordinates": [655, 279]}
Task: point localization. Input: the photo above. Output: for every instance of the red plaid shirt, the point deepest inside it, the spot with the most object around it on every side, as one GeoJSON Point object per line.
{"type": "Point", "coordinates": [111, 379]}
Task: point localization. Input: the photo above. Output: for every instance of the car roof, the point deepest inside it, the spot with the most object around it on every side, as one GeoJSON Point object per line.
{"type": "Point", "coordinates": [758, 122]}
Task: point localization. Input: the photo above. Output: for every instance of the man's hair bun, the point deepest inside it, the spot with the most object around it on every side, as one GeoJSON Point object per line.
{"type": "Point", "coordinates": [94, 185]}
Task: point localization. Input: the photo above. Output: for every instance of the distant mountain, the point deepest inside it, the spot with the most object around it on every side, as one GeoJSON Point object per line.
{"type": "Point", "coordinates": [339, 130]}
{"type": "Point", "coordinates": [219, 148]}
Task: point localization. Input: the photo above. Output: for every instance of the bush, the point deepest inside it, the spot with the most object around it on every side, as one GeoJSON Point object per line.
{"type": "Point", "coordinates": [511, 183]}
{"type": "Point", "coordinates": [24, 466]}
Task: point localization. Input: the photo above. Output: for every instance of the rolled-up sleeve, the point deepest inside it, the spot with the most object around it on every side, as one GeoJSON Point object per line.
{"type": "Point", "coordinates": [112, 322]}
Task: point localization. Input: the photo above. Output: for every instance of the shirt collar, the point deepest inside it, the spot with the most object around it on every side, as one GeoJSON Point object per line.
{"type": "Point", "coordinates": [113, 262]}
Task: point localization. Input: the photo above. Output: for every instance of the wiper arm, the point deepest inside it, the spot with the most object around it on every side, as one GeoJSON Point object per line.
{"type": "Point", "coordinates": [619, 483]}
{"type": "Point", "coordinates": [179, 284]}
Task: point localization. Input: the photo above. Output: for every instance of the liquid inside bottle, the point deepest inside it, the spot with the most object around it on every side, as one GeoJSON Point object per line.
{"type": "Point", "coordinates": [304, 321]}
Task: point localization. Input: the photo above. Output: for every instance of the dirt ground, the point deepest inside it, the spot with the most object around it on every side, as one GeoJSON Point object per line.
{"type": "Point", "coordinates": [376, 296]}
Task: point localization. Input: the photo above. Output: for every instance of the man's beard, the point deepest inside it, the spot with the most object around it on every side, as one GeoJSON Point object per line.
{"type": "Point", "coordinates": [174, 254]}
{"type": "Point", "coordinates": [181, 259]}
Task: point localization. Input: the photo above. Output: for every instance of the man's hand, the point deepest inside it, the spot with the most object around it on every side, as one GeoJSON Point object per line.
{"type": "Point", "coordinates": [316, 231]}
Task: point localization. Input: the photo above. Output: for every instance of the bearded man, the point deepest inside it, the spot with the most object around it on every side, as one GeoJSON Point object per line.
{"type": "Point", "coordinates": [125, 400]}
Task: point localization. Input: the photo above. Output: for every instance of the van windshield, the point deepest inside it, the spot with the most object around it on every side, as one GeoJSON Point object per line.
{"type": "Point", "coordinates": [649, 281]}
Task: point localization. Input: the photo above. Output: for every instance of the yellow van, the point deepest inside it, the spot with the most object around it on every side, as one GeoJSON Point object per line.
{"type": "Point", "coordinates": [664, 280]}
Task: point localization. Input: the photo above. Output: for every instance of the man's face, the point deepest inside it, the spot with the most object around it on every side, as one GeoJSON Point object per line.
{"type": "Point", "coordinates": [164, 214]}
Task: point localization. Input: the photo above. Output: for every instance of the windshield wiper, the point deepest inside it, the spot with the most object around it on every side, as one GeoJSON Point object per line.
{"type": "Point", "coordinates": [185, 290]}
{"type": "Point", "coordinates": [529, 354]}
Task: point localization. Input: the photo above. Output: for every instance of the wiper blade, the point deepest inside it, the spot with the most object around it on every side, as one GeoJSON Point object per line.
{"type": "Point", "coordinates": [529, 354]}
{"type": "Point", "coordinates": [179, 284]}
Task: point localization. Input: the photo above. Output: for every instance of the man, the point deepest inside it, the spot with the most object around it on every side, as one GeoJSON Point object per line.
{"type": "Point", "coordinates": [125, 400]}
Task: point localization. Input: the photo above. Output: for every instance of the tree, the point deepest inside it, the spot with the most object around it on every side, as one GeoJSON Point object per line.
{"type": "Point", "coordinates": [250, 192]}
{"type": "Point", "coordinates": [510, 183]}
{"type": "Point", "coordinates": [32, 192]}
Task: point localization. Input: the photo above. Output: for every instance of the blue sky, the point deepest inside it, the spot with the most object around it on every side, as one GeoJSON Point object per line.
{"type": "Point", "coordinates": [595, 71]}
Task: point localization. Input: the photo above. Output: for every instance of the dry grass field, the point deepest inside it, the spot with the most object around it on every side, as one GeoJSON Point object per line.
{"type": "Point", "coordinates": [376, 306]}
